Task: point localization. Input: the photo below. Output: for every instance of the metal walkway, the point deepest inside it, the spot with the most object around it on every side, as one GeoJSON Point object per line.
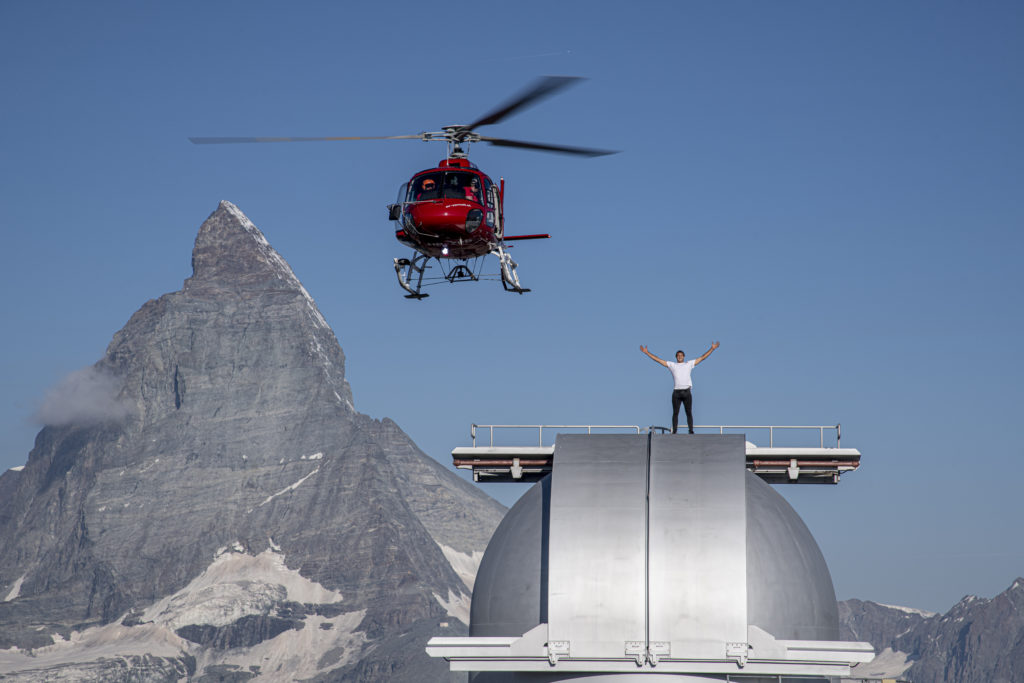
{"type": "Point", "coordinates": [776, 464]}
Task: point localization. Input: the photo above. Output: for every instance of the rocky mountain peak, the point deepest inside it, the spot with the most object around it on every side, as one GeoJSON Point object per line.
{"type": "Point", "coordinates": [233, 498]}
{"type": "Point", "coordinates": [242, 324]}
{"type": "Point", "coordinates": [979, 640]}
{"type": "Point", "coordinates": [231, 251]}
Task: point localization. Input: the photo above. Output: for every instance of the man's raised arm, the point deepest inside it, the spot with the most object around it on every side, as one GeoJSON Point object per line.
{"type": "Point", "coordinates": [714, 345]}
{"type": "Point", "coordinates": [653, 357]}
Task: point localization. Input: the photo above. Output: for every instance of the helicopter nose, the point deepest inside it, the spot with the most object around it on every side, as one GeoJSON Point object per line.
{"type": "Point", "coordinates": [445, 221]}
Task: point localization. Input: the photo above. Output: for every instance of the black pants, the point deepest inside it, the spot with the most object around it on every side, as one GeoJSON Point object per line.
{"type": "Point", "coordinates": [686, 398]}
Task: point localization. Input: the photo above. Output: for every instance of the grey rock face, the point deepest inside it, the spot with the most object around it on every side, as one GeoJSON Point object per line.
{"type": "Point", "coordinates": [132, 669]}
{"type": "Point", "coordinates": [977, 641]}
{"type": "Point", "coordinates": [880, 625]}
{"type": "Point", "coordinates": [245, 632]}
{"type": "Point", "coordinates": [238, 431]}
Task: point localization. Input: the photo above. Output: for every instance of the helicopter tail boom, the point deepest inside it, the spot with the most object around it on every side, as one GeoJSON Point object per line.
{"type": "Point", "coordinates": [510, 238]}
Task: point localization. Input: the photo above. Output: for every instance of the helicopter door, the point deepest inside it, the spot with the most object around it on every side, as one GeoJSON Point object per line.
{"type": "Point", "coordinates": [395, 210]}
{"type": "Point", "coordinates": [494, 209]}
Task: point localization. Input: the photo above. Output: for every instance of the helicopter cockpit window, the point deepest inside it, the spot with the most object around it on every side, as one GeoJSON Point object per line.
{"type": "Point", "coordinates": [488, 194]}
{"type": "Point", "coordinates": [459, 185]}
{"type": "Point", "coordinates": [427, 186]}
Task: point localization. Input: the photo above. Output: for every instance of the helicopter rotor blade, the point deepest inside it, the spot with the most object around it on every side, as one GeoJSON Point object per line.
{"type": "Point", "coordinates": [543, 147]}
{"type": "Point", "coordinates": [545, 87]}
{"type": "Point", "coordinates": [224, 141]}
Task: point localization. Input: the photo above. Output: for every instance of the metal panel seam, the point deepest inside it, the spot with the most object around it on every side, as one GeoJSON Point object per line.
{"type": "Point", "coordinates": [647, 553]}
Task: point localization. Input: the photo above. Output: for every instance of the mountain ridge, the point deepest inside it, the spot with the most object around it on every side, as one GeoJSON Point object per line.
{"type": "Point", "coordinates": [230, 424]}
{"type": "Point", "coordinates": [979, 640]}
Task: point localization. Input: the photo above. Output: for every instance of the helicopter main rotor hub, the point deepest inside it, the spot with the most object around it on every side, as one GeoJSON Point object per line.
{"type": "Point", "coordinates": [455, 137]}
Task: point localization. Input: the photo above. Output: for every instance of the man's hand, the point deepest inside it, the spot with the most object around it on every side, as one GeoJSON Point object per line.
{"type": "Point", "coordinates": [652, 356]}
{"type": "Point", "coordinates": [714, 345]}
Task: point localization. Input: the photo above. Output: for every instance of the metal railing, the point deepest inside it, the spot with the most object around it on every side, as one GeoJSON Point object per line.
{"type": "Point", "coordinates": [642, 430]}
{"type": "Point", "coordinates": [540, 430]}
{"type": "Point", "coordinates": [771, 431]}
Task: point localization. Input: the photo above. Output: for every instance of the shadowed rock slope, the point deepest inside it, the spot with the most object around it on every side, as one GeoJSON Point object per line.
{"type": "Point", "coordinates": [978, 640]}
{"type": "Point", "coordinates": [233, 515]}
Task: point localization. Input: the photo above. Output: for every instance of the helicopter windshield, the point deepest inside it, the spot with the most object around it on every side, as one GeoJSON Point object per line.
{"type": "Point", "coordinates": [447, 185]}
{"type": "Point", "coordinates": [426, 186]}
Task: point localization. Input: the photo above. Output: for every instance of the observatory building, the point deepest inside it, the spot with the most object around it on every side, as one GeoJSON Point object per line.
{"type": "Point", "coordinates": [653, 557]}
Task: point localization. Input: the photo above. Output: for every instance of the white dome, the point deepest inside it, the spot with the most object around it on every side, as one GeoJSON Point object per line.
{"type": "Point", "coordinates": [652, 557]}
{"type": "Point", "coordinates": [789, 588]}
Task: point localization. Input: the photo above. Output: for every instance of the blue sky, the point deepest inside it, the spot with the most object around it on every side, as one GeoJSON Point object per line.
{"type": "Point", "coordinates": [831, 189]}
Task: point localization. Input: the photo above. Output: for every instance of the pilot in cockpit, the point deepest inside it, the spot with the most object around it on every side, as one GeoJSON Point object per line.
{"type": "Point", "coordinates": [428, 189]}
{"type": "Point", "coordinates": [473, 190]}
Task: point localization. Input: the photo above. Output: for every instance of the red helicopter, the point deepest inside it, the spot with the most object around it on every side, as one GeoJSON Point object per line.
{"type": "Point", "coordinates": [454, 212]}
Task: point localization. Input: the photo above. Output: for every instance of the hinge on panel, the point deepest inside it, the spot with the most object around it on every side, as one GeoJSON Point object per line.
{"type": "Point", "coordinates": [637, 650]}
{"type": "Point", "coordinates": [648, 653]}
{"type": "Point", "coordinates": [556, 649]}
{"type": "Point", "coordinates": [658, 649]}
{"type": "Point", "coordinates": [737, 651]}
{"type": "Point", "coordinates": [517, 469]}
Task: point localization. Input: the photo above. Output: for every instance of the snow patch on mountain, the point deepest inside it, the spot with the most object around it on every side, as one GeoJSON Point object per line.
{"type": "Point", "coordinates": [465, 565]}
{"type": "Point", "coordinates": [887, 664]}
{"type": "Point", "coordinates": [235, 585]}
{"type": "Point", "coordinates": [110, 641]}
{"type": "Point", "coordinates": [322, 644]}
{"type": "Point", "coordinates": [910, 610]}
{"type": "Point", "coordinates": [457, 605]}
{"type": "Point", "coordinates": [290, 487]}
{"type": "Point", "coordinates": [15, 589]}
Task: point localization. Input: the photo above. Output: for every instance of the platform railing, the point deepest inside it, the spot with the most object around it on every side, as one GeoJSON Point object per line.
{"type": "Point", "coordinates": [771, 431]}
{"type": "Point", "coordinates": [641, 430]}
{"type": "Point", "coordinates": [540, 430]}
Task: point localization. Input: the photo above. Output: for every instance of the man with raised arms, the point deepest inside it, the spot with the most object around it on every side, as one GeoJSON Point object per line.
{"type": "Point", "coordinates": [682, 384]}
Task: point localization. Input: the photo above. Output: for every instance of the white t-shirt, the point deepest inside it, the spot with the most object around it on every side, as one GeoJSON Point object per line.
{"type": "Point", "coordinates": [681, 373]}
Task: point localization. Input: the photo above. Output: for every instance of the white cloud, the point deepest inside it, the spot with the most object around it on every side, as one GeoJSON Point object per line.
{"type": "Point", "coordinates": [85, 396]}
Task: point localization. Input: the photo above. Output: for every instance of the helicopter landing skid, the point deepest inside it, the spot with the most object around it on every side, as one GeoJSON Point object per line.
{"type": "Point", "coordinates": [509, 279]}
{"type": "Point", "coordinates": [411, 267]}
